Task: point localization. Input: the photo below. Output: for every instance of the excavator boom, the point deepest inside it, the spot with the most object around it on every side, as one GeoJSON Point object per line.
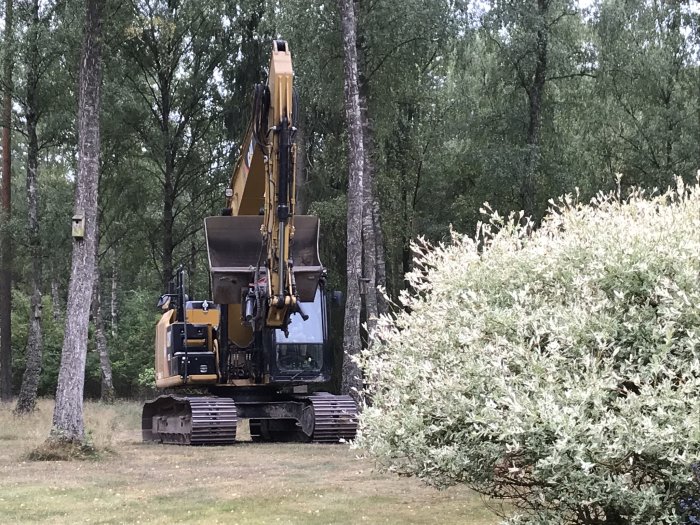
{"type": "Point", "coordinates": [263, 183]}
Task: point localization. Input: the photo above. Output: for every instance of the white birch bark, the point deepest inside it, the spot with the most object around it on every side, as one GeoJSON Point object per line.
{"type": "Point", "coordinates": [352, 379]}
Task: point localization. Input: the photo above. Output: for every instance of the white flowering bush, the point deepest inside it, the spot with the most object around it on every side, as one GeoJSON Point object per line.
{"type": "Point", "coordinates": [557, 369]}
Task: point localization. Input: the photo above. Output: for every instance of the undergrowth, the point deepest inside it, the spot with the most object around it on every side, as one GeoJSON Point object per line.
{"type": "Point", "coordinates": [61, 450]}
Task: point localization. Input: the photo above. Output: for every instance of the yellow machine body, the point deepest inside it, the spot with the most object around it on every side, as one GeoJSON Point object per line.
{"type": "Point", "coordinates": [165, 376]}
{"type": "Point", "coordinates": [259, 243]}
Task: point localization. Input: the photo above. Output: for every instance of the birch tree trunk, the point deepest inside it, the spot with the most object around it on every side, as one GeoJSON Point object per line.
{"type": "Point", "coordinates": [169, 190]}
{"type": "Point", "coordinates": [113, 298]}
{"type": "Point", "coordinates": [55, 300]}
{"type": "Point", "coordinates": [369, 240]}
{"type": "Point", "coordinates": [107, 386]}
{"type": "Point", "coordinates": [6, 213]}
{"type": "Point", "coordinates": [374, 271]}
{"type": "Point", "coordinates": [168, 223]}
{"type": "Point", "coordinates": [30, 380]}
{"type": "Point", "coordinates": [300, 173]}
{"type": "Point", "coordinates": [68, 413]}
{"type": "Point", "coordinates": [352, 379]}
{"type": "Point", "coordinates": [380, 257]}
{"type": "Point", "coordinates": [369, 248]}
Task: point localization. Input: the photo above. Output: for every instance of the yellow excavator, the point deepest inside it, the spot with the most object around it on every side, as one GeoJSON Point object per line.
{"type": "Point", "coordinates": [254, 350]}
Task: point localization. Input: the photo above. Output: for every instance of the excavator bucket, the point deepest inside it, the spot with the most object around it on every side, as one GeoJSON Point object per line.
{"type": "Point", "coordinates": [234, 246]}
{"type": "Point", "coordinates": [307, 264]}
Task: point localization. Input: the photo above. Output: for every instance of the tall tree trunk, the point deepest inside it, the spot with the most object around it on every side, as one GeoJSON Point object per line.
{"type": "Point", "coordinates": [352, 377]}
{"type": "Point", "coordinates": [169, 183]}
{"type": "Point", "coordinates": [6, 214]}
{"type": "Point", "coordinates": [667, 177]}
{"type": "Point", "coordinates": [369, 190]}
{"type": "Point", "coordinates": [369, 240]}
{"type": "Point", "coordinates": [407, 234]}
{"type": "Point", "coordinates": [300, 173]}
{"type": "Point", "coordinates": [674, 25]}
{"type": "Point", "coordinates": [113, 298]}
{"type": "Point", "coordinates": [168, 222]}
{"type": "Point", "coordinates": [55, 300]}
{"type": "Point", "coordinates": [30, 379]}
{"type": "Point", "coordinates": [107, 386]}
{"type": "Point", "coordinates": [192, 271]}
{"type": "Point", "coordinates": [68, 413]}
{"type": "Point", "coordinates": [536, 94]}
{"type": "Point", "coordinates": [380, 258]}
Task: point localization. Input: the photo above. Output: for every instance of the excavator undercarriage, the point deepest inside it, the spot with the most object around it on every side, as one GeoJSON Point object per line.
{"type": "Point", "coordinates": [213, 420]}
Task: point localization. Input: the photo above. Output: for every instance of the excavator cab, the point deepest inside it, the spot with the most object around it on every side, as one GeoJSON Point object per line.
{"type": "Point", "coordinates": [303, 353]}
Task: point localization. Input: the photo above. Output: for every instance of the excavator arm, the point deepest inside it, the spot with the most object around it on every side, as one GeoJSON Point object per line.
{"type": "Point", "coordinates": [261, 250]}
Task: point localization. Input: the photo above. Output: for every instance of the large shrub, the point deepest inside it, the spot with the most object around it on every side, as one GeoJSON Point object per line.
{"type": "Point", "coordinates": [558, 368]}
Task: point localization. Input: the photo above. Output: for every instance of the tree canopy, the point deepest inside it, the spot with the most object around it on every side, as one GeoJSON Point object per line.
{"type": "Point", "coordinates": [466, 102]}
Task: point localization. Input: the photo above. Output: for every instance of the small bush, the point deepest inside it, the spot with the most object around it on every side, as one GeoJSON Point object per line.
{"type": "Point", "coordinates": [558, 369]}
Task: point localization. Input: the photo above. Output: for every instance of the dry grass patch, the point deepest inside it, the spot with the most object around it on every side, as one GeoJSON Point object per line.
{"type": "Point", "coordinates": [246, 483]}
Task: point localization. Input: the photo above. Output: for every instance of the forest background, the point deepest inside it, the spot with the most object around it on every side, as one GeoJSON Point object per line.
{"type": "Point", "coordinates": [468, 102]}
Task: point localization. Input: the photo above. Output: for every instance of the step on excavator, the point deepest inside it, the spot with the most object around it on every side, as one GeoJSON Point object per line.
{"type": "Point", "coordinates": [259, 346]}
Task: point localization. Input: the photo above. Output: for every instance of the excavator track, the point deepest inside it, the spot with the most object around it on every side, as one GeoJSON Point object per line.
{"type": "Point", "coordinates": [210, 420]}
{"type": "Point", "coordinates": [335, 418]}
{"type": "Point", "coordinates": [190, 420]}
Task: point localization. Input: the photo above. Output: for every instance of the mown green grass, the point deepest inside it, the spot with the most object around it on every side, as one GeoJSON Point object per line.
{"type": "Point", "coordinates": [246, 483]}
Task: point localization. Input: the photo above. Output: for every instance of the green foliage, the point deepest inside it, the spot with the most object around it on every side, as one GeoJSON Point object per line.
{"type": "Point", "coordinates": [52, 337]}
{"type": "Point", "coordinates": [147, 378]}
{"type": "Point", "coordinates": [649, 77]}
{"type": "Point", "coordinates": [557, 369]}
{"type": "Point", "coordinates": [131, 350]}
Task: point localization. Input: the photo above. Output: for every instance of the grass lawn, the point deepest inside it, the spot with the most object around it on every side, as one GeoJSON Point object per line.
{"type": "Point", "coordinates": [246, 483]}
